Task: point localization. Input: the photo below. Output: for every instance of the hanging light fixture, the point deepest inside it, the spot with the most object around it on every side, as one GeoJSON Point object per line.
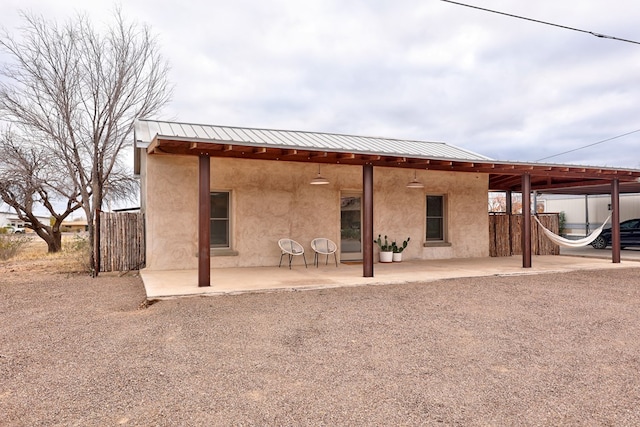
{"type": "Point", "coordinates": [415, 183]}
{"type": "Point", "coordinates": [319, 180]}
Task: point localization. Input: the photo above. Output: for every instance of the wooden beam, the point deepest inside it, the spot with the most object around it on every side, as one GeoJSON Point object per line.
{"type": "Point", "coordinates": [153, 146]}
{"type": "Point", "coordinates": [526, 220]}
{"type": "Point", "coordinates": [204, 221]}
{"type": "Point", "coordinates": [441, 163]}
{"type": "Point", "coordinates": [419, 163]}
{"type": "Point", "coordinates": [367, 221]}
{"type": "Point", "coordinates": [465, 165]}
{"type": "Point", "coordinates": [615, 221]}
{"type": "Point", "coordinates": [568, 184]}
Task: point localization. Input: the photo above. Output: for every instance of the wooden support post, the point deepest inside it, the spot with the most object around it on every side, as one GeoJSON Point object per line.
{"type": "Point", "coordinates": [367, 220]}
{"type": "Point", "coordinates": [509, 210]}
{"type": "Point", "coordinates": [96, 244]}
{"type": "Point", "coordinates": [204, 221]}
{"type": "Point", "coordinates": [615, 221]}
{"type": "Point", "coordinates": [526, 220]}
{"type": "Point", "coordinates": [586, 215]}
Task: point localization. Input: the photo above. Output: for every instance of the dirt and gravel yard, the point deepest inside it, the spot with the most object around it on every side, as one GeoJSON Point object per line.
{"type": "Point", "coordinates": [557, 349]}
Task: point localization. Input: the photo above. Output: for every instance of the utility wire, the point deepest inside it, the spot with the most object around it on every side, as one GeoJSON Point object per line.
{"type": "Point", "coordinates": [590, 145]}
{"type": "Point", "coordinates": [602, 36]}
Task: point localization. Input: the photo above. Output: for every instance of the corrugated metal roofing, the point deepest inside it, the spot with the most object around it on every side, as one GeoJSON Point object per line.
{"type": "Point", "coordinates": [147, 130]}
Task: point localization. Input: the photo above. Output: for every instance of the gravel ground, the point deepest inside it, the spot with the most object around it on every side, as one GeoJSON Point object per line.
{"type": "Point", "coordinates": [557, 349]}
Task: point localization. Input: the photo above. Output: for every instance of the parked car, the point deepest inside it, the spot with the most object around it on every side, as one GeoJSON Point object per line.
{"type": "Point", "coordinates": [14, 229]}
{"type": "Point", "coordinates": [629, 235]}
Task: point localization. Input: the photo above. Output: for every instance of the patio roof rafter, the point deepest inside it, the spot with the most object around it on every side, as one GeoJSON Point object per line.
{"type": "Point", "coordinates": [503, 176]}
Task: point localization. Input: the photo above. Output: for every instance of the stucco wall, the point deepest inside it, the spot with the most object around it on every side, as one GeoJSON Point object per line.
{"type": "Point", "coordinates": [271, 200]}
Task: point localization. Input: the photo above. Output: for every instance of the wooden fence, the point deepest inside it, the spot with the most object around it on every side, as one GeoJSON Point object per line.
{"type": "Point", "coordinates": [121, 241]}
{"type": "Point", "coordinates": [505, 235]}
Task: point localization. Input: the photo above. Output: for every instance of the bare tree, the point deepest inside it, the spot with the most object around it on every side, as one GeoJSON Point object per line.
{"type": "Point", "coordinates": [30, 177]}
{"type": "Point", "coordinates": [497, 202]}
{"type": "Point", "coordinates": [75, 93]}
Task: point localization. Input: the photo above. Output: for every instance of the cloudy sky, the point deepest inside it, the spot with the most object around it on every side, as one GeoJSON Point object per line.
{"type": "Point", "coordinates": [425, 69]}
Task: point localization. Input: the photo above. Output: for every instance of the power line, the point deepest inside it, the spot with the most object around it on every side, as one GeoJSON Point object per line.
{"type": "Point", "coordinates": [590, 145]}
{"type": "Point", "coordinates": [602, 36]}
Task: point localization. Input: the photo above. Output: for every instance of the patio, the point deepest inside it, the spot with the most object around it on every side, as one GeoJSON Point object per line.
{"type": "Point", "coordinates": [177, 283]}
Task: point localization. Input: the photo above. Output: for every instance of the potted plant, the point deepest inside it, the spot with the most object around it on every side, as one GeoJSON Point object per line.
{"type": "Point", "coordinates": [397, 250]}
{"type": "Point", "coordinates": [386, 250]}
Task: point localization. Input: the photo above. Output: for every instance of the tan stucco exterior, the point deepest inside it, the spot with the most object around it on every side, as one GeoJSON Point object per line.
{"type": "Point", "coordinates": [273, 199]}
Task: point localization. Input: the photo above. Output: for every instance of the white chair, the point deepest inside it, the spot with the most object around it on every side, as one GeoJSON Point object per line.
{"type": "Point", "coordinates": [291, 248]}
{"type": "Point", "coordinates": [322, 246]}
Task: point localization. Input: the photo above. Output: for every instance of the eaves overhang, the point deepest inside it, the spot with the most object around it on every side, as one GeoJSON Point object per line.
{"type": "Point", "coordinates": [353, 150]}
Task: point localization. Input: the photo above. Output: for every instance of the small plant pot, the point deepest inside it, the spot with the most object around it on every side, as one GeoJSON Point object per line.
{"type": "Point", "coordinates": [397, 257]}
{"type": "Point", "coordinates": [386, 256]}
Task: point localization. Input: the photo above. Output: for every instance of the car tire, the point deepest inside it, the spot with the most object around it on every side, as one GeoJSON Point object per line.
{"type": "Point", "coordinates": [599, 243]}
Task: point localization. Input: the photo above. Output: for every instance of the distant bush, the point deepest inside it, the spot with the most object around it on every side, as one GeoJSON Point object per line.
{"type": "Point", "coordinates": [11, 245]}
{"type": "Point", "coordinates": [79, 243]}
{"type": "Point", "coordinates": [562, 223]}
{"type": "Point", "coordinates": [79, 248]}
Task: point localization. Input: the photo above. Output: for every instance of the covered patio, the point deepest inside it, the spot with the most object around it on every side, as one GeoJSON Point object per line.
{"type": "Point", "coordinates": [362, 157]}
{"type": "Point", "coordinates": [228, 281]}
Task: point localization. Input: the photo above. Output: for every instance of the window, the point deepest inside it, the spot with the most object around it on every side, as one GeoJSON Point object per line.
{"type": "Point", "coordinates": [220, 223]}
{"type": "Point", "coordinates": [435, 219]}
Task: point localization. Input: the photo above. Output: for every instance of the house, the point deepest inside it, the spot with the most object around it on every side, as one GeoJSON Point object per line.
{"type": "Point", "coordinates": [10, 218]}
{"type": "Point", "coordinates": [77, 225]}
{"type": "Point", "coordinates": [219, 196]}
{"type": "Point", "coordinates": [5, 218]}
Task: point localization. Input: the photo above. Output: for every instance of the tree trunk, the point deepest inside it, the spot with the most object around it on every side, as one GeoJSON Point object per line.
{"type": "Point", "coordinates": [52, 238]}
{"type": "Point", "coordinates": [54, 246]}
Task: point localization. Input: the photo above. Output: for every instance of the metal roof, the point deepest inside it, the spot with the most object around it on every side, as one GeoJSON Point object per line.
{"type": "Point", "coordinates": [172, 138]}
{"type": "Point", "coordinates": [147, 130]}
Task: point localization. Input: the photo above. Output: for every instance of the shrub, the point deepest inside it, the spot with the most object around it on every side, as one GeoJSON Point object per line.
{"type": "Point", "coordinates": [11, 245]}
{"type": "Point", "coordinates": [79, 243]}
{"type": "Point", "coordinates": [562, 223]}
{"type": "Point", "coordinates": [78, 248]}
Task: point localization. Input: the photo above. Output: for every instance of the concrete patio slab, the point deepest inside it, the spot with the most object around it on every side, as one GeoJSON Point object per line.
{"type": "Point", "coordinates": [628, 254]}
{"type": "Point", "coordinates": [161, 284]}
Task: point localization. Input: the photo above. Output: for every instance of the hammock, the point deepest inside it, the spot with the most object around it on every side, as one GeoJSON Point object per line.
{"type": "Point", "coordinates": [559, 240]}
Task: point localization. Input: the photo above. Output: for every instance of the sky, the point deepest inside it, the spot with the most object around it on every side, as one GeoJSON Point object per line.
{"type": "Point", "coordinates": [428, 70]}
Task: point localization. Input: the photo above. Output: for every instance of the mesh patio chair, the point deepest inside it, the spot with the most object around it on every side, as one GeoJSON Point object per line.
{"type": "Point", "coordinates": [322, 246]}
{"type": "Point", "coordinates": [291, 248]}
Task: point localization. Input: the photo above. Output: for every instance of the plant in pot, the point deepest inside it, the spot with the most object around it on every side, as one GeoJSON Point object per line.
{"type": "Point", "coordinates": [386, 250]}
{"type": "Point", "coordinates": [397, 250]}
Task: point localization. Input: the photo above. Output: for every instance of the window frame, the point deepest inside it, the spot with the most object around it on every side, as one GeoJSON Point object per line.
{"type": "Point", "coordinates": [443, 218]}
{"type": "Point", "coordinates": [227, 218]}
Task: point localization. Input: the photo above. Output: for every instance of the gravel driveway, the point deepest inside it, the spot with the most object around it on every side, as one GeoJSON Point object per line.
{"type": "Point", "coordinates": [557, 349]}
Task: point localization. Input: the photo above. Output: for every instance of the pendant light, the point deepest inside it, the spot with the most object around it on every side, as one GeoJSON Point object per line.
{"type": "Point", "coordinates": [319, 180]}
{"type": "Point", "coordinates": [415, 183]}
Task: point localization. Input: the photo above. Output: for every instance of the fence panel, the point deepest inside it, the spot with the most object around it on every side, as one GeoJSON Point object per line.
{"type": "Point", "coordinates": [499, 235]}
{"type": "Point", "coordinates": [505, 235]}
{"type": "Point", "coordinates": [121, 241]}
